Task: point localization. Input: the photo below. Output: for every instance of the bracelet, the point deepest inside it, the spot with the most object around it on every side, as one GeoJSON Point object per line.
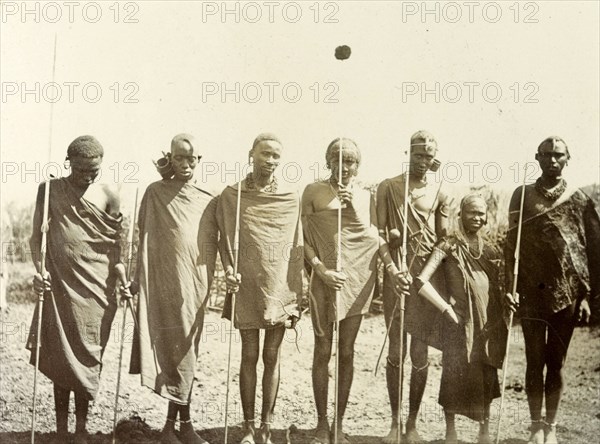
{"type": "Point", "coordinates": [315, 261]}
{"type": "Point", "coordinates": [390, 265]}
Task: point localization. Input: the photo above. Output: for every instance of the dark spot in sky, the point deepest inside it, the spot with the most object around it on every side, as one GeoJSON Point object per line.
{"type": "Point", "coordinates": [342, 52]}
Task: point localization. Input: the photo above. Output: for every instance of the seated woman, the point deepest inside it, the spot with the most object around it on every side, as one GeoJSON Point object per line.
{"type": "Point", "coordinates": [474, 331]}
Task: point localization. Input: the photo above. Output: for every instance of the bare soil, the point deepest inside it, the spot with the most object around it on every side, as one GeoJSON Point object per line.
{"type": "Point", "coordinates": [368, 414]}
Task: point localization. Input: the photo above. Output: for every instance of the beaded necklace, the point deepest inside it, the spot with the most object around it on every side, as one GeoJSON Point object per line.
{"type": "Point", "coordinates": [270, 188]}
{"type": "Point", "coordinates": [553, 193]}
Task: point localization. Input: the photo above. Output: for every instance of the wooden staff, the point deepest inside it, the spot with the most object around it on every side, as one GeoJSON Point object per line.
{"type": "Point", "coordinates": [125, 282]}
{"type": "Point", "coordinates": [338, 268]}
{"type": "Point", "coordinates": [236, 254]}
{"type": "Point", "coordinates": [514, 293]}
{"type": "Point", "coordinates": [403, 269]}
{"type": "Point", "coordinates": [419, 242]}
{"type": "Point", "coordinates": [43, 271]}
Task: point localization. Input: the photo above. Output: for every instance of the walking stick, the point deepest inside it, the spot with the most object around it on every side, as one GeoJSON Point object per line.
{"type": "Point", "coordinates": [338, 268]}
{"type": "Point", "coordinates": [43, 247]}
{"type": "Point", "coordinates": [127, 280]}
{"type": "Point", "coordinates": [236, 254]}
{"type": "Point", "coordinates": [514, 292]}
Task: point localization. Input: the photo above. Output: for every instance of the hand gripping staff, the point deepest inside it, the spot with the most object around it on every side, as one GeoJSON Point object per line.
{"type": "Point", "coordinates": [43, 247]}
{"type": "Point", "coordinates": [236, 254]}
{"type": "Point", "coordinates": [419, 242]}
{"type": "Point", "coordinates": [125, 282]}
{"type": "Point", "coordinates": [514, 292]}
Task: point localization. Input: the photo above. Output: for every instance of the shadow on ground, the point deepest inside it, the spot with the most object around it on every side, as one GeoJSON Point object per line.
{"type": "Point", "coordinates": [213, 436]}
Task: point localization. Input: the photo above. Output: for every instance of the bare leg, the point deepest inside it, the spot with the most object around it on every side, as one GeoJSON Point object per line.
{"type": "Point", "coordinates": [560, 332]}
{"type": "Point", "coordinates": [534, 333]}
{"type": "Point", "coordinates": [61, 405]}
{"type": "Point", "coordinates": [250, 348]}
{"type": "Point", "coordinates": [349, 328]}
{"type": "Point", "coordinates": [392, 374]}
{"type": "Point", "coordinates": [418, 381]}
{"type": "Point", "coordinates": [270, 382]}
{"type": "Point", "coordinates": [320, 380]}
{"type": "Point", "coordinates": [484, 427]}
{"type": "Point", "coordinates": [81, 411]}
{"type": "Point", "coordinates": [451, 436]}
{"type": "Point", "coordinates": [187, 434]}
{"type": "Point", "coordinates": [167, 435]}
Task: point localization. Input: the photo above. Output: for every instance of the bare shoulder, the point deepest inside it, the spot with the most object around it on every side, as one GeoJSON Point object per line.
{"type": "Point", "coordinates": [385, 183]}
{"type": "Point", "coordinates": [313, 195]}
{"type": "Point", "coordinates": [516, 195]}
{"type": "Point", "coordinates": [284, 186]}
{"type": "Point", "coordinates": [111, 191]}
{"type": "Point", "coordinates": [444, 196]}
{"type": "Point", "coordinates": [314, 189]}
{"type": "Point", "coordinates": [112, 195]}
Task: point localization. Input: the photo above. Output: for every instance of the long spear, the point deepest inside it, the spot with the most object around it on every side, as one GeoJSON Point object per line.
{"type": "Point", "coordinates": [43, 248]}
{"type": "Point", "coordinates": [404, 269]}
{"type": "Point", "coordinates": [236, 254]}
{"type": "Point", "coordinates": [419, 242]}
{"type": "Point", "coordinates": [514, 292]}
{"type": "Point", "coordinates": [123, 323]}
{"type": "Point", "coordinates": [338, 268]}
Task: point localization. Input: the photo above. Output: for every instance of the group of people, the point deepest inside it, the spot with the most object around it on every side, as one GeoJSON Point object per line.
{"type": "Point", "coordinates": [267, 236]}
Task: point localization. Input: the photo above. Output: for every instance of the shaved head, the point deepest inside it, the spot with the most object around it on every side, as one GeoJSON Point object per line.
{"type": "Point", "coordinates": [184, 142]}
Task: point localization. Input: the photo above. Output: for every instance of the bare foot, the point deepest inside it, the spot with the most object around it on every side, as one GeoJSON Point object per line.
{"type": "Point", "coordinates": [342, 438]}
{"type": "Point", "coordinates": [484, 435]}
{"type": "Point", "coordinates": [60, 438]}
{"type": "Point", "coordinates": [537, 433]}
{"type": "Point", "coordinates": [187, 434]}
{"type": "Point", "coordinates": [412, 436]}
{"type": "Point", "coordinates": [264, 434]}
{"type": "Point", "coordinates": [80, 438]}
{"type": "Point", "coordinates": [249, 432]}
{"type": "Point", "coordinates": [392, 437]}
{"type": "Point", "coordinates": [321, 433]}
{"type": "Point", "coordinates": [167, 436]}
{"type": "Point", "coordinates": [451, 437]}
{"type": "Point", "coordinates": [551, 434]}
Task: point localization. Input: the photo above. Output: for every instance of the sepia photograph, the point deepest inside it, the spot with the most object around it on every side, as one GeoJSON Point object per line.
{"type": "Point", "coordinates": [300, 222]}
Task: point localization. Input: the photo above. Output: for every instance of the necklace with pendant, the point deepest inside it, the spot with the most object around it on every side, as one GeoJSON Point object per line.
{"type": "Point", "coordinates": [334, 192]}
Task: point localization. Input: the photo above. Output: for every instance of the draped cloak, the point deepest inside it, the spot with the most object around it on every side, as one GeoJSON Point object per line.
{"type": "Point", "coordinates": [559, 256]}
{"type": "Point", "coordinates": [421, 320]}
{"type": "Point", "coordinates": [175, 266]}
{"type": "Point", "coordinates": [82, 249]}
{"type": "Point", "coordinates": [360, 245]}
{"type": "Point", "coordinates": [270, 255]}
{"type": "Point", "coordinates": [473, 350]}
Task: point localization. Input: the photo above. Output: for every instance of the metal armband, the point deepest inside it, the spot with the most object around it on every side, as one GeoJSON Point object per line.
{"type": "Point", "coordinates": [435, 259]}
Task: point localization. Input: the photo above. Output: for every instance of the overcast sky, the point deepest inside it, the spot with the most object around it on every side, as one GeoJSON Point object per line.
{"type": "Point", "coordinates": [490, 80]}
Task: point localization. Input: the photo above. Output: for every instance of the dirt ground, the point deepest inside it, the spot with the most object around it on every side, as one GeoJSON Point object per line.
{"type": "Point", "coordinates": [367, 418]}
